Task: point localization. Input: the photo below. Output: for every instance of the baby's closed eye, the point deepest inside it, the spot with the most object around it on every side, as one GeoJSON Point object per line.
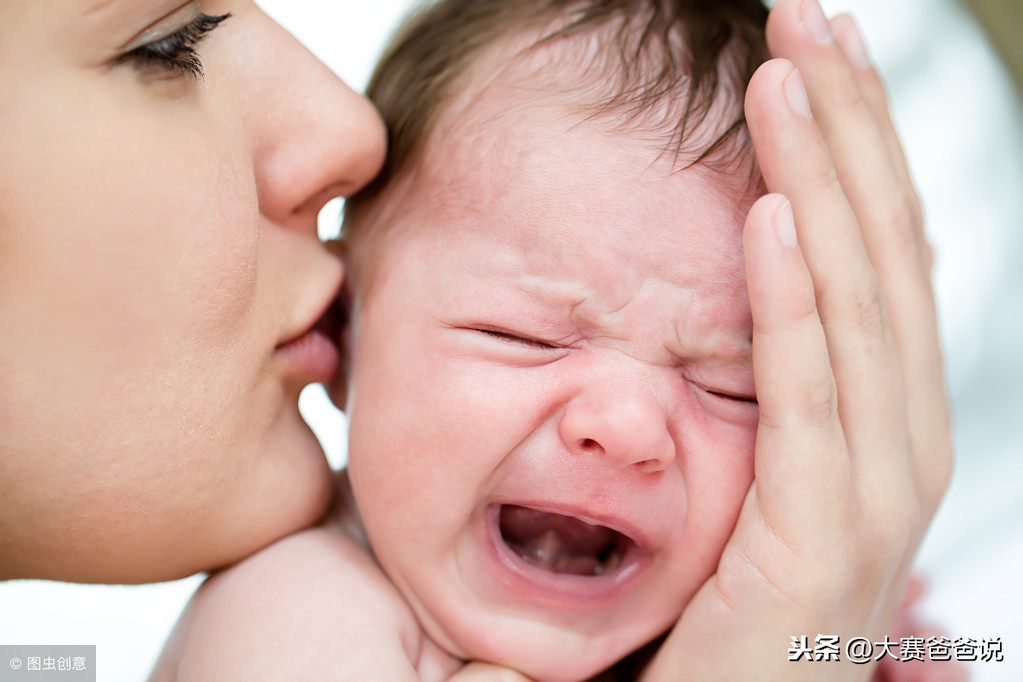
{"type": "Point", "coordinates": [513, 337]}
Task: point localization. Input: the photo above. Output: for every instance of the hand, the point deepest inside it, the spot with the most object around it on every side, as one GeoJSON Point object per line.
{"type": "Point", "coordinates": [853, 446]}
{"type": "Point", "coordinates": [906, 624]}
{"type": "Point", "coordinates": [486, 672]}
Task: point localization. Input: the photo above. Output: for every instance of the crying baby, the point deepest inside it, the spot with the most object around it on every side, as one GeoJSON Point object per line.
{"type": "Point", "coordinates": [549, 380]}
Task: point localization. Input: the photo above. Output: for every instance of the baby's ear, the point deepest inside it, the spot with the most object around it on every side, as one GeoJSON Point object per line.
{"type": "Point", "coordinates": [338, 389]}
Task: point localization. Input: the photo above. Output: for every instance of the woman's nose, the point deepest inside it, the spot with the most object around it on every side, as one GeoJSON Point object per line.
{"type": "Point", "coordinates": [314, 137]}
{"type": "Point", "coordinates": [627, 425]}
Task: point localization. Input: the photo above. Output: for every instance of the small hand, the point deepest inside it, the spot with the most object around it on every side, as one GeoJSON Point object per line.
{"type": "Point", "coordinates": [476, 671]}
{"type": "Point", "coordinates": [907, 624]}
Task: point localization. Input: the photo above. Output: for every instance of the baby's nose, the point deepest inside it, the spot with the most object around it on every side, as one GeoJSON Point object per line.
{"type": "Point", "coordinates": [626, 425]}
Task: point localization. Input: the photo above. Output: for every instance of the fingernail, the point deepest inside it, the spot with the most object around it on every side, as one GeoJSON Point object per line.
{"type": "Point", "coordinates": [816, 23]}
{"type": "Point", "coordinates": [853, 46]}
{"type": "Point", "coordinates": [785, 225]}
{"type": "Point", "coordinates": [795, 93]}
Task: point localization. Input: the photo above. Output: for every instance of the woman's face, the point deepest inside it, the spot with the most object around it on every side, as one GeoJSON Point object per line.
{"type": "Point", "coordinates": [158, 253]}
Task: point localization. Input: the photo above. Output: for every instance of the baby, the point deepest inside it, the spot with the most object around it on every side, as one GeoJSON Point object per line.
{"type": "Point", "coordinates": [554, 335]}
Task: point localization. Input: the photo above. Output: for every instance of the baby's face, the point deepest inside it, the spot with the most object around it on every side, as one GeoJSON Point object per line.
{"type": "Point", "coordinates": [552, 407]}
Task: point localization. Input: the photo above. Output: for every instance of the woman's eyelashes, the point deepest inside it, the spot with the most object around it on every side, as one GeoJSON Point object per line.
{"type": "Point", "coordinates": [175, 54]}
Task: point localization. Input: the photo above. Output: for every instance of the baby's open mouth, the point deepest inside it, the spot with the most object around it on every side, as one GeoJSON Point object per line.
{"type": "Point", "coordinates": [562, 544]}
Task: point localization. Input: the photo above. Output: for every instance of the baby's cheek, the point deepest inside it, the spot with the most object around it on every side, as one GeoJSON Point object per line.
{"type": "Point", "coordinates": [718, 472]}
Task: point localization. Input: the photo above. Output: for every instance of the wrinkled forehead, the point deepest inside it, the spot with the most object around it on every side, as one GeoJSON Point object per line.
{"type": "Point", "coordinates": [534, 171]}
{"type": "Point", "coordinates": [525, 123]}
{"type": "Point", "coordinates": [518, 154]}
{"type": "Point", "coordinates": [532, 195]}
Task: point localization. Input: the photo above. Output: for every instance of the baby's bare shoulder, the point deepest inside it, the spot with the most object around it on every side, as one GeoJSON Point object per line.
{"type": "Point", "coordinates": [311, 606]}
{"type": "Point", "coordinates": [315, 568]}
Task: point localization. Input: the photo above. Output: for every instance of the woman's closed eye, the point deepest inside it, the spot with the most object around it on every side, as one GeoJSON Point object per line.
{"type": "Point", "coordinates": [175, 54]}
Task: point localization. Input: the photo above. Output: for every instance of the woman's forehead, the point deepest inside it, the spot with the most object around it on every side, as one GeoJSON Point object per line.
{"type": "Point", "coordinates": [96, 20]}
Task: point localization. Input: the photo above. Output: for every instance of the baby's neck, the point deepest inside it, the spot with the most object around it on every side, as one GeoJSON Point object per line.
{"type": "Point", "coordinates": [344, 515]}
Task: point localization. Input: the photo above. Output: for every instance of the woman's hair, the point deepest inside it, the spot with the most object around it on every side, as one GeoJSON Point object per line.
{"type": "Point", "coordinates": [675, 70]}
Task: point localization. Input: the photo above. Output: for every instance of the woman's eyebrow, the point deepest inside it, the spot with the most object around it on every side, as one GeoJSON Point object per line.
{"type": "Point", "coordinates": [97, 7]}
{"type": "Point", "coordinates": [100, 9]}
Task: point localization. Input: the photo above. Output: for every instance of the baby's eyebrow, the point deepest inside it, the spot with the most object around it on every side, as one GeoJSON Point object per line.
{"type": "Point", "coordinates": [558, 300]}
{"type": "Point", "coordinates": [724, 349]}
{"type": "Point", "coordinates": [722, 345]}
{"type": "Point", "coordinates": [550, 293]}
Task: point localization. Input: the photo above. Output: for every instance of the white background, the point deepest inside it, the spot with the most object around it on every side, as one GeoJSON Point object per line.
{"type": "Point", "coordinates": [963, 130]}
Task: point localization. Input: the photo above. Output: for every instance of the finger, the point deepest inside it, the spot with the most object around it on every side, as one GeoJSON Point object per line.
{"type": "Point", "coordinates": [912, 307]}
{"type": "Point", "coordinates": [850, 39]}
{"type": "Point", "coordinates": [851, 108]}
{"type": "Point", "coordinates": [849, 105]}
{"type": "Point", "coordinates": [916, 588]}
{"type": "Point", "coordinates": [800, 445]}
{"type": "Point", "coordinates": [795, 161]}
{"type": "Point", "coordinates": [903, 615]}
{"type": "Point", "coordinates": [890, 670]}
{"type": "Point", "coordinates": [879, 190]}
{"type": "Point", "coordinates": [476, 671]}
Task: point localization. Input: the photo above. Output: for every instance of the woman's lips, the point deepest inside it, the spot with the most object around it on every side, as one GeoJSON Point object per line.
{"type": "Point", "coordinates": [554, 558]}
{"type": "Point", "coordinates": [314, 355]}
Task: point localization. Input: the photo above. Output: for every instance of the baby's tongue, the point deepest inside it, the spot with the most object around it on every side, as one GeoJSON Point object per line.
{"type": "Point", "coordinates": [559, 543]}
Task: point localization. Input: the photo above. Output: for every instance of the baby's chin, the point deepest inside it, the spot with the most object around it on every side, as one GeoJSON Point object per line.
{"type": "Point", "coordinates": [542, 652]}
{"type": "Point", "coordinates": [540, 648]}
{"type": "Point", "coordinates": [549, 594]}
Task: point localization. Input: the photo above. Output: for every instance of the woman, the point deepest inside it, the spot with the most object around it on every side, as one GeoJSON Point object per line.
{"type": "Point", "coordinates": [161, 282]}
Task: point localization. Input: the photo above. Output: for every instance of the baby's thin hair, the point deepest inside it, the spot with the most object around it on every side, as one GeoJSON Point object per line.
{"type": "Point", "coordinates": [676, 70]}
